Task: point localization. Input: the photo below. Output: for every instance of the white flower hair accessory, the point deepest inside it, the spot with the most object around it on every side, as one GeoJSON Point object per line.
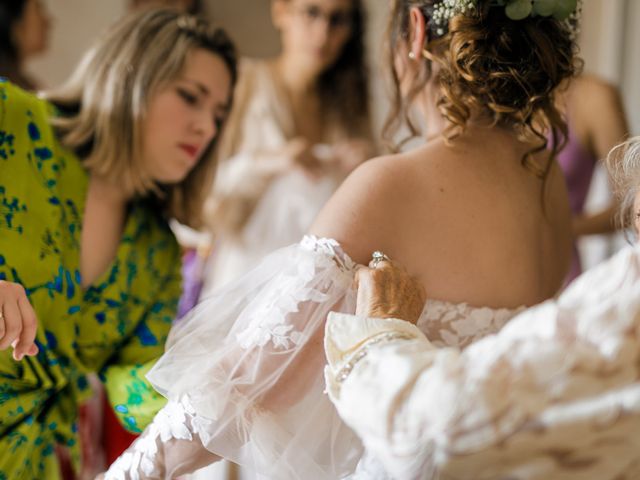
{"type": "Point", "coordinates": [562, 10]}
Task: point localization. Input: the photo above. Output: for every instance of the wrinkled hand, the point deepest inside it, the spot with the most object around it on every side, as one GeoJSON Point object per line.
{"type": "Point", "coordinates": [388, 291]}
{"type": "Point", "coordinates": [18, 321]}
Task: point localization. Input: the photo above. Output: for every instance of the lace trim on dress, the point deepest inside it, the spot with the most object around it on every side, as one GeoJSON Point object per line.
{"type": "Point", "coordinates": [269, 322]}
{"type": "Point", "coordinates": [448, 324]}
{"type": "Point", "coordinates": [332, 248]}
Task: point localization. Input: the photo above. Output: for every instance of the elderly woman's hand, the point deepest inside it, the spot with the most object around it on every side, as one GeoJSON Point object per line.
{"type": "Point", "coordinates": [386, 290]}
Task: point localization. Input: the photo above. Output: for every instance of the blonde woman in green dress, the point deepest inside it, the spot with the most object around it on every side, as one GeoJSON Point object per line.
{"type": "Point", "coordinates": [89, 270]}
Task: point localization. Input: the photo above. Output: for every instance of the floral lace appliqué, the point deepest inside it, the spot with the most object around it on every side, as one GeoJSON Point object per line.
{"type": "Point", "coordinates": [172, 422]}
{"type": "Point", "coordinates": [331, 248]}
{"type": "Point", "coordinates": [295, 286]}
{"type": "Point", "coordinates": [448, 324]}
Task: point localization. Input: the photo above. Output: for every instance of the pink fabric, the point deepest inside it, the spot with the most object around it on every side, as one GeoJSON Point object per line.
{"type": "Point", "coordinates": [578, 165]}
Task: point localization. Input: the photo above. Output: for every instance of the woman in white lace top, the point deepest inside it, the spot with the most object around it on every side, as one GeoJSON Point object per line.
{"type": "Point", "coordinates": [555, 394]}
{"type": "Point", "coordinates": [300, 124]}
{"type": "Point", "coordinates": [479, 213]}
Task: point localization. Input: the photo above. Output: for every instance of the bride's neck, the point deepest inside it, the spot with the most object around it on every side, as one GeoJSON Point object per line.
{"type": "Point", "coordinates": [435, 125]}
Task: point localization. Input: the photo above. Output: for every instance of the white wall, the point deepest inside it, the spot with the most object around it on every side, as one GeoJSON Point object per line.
{"type": "Point", "coordinates": [75, 24]}
{"type": "Point", "coordinates": [630, 76]}
{"type": "Point", "coordinates": [610, 42]}
{"type": "Point", "coordinates": [248, 22]}
{"type": "Point", "coordinates": [377, 11]}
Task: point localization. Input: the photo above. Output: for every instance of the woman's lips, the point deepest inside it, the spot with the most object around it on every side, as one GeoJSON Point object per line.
{"type": "Point", "coordinates": [191, 150]}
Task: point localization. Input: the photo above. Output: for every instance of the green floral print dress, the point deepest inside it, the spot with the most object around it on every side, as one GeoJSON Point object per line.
{"type": "Point", "coordinates": [117, 326]}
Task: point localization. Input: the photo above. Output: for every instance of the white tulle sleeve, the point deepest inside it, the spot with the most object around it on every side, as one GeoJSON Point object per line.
{"type": "Point", "coordinates": [243, 375]}
{"type": "Point", "coordinates": [555, 394]}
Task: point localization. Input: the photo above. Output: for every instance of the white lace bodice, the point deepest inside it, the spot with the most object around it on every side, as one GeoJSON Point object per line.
{"type": "Point", "coordinates": [448, 324]}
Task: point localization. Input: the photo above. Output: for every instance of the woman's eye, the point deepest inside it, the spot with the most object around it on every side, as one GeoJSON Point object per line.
{"type": "Point", "coordinates": [187, 97]}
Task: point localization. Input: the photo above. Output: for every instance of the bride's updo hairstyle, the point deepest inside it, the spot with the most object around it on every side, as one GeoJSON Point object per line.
{"type": "Point", "coordinates": [489, 67]}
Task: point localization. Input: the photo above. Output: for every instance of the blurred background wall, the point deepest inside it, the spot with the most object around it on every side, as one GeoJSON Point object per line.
{"type": "Point", "coordinates": [610, 43]}
{"type": "Point", "coordinates": [610, 40]}
{"type": "Point", "coordinates": [75, 23]}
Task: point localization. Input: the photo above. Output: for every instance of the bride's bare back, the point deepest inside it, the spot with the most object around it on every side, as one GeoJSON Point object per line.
{"type": "Point", "coordinates": [467, 219]}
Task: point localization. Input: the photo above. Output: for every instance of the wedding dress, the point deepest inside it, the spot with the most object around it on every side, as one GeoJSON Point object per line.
{"type": "Point", "coordinates": [243, 373]}
{"type": "Point", "coordinates": [554, 395]}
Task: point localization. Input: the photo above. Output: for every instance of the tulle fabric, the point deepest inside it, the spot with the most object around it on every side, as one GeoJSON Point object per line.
{"type": "Point", "coordinates": [250, 361]}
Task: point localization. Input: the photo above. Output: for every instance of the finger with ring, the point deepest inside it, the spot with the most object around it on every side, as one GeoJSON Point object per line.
{"type": "Point", "coordinates": [378, 257]}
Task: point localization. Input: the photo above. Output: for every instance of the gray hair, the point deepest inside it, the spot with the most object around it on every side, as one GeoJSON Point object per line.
{"type": "Point", "coordinates": [623, 163]}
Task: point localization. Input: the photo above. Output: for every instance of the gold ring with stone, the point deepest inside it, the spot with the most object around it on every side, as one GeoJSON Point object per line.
{"type": "Point", "coordinates": [378, 257]}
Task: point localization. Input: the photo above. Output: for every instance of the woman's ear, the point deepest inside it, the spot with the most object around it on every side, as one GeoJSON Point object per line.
{"type": "Point", "coordinates": [417, 32]}
{"type": "Point", "coordinates": [278, 13]}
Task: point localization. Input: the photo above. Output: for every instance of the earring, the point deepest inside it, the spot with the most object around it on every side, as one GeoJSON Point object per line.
{"type": "Point", "coordinates": [412, 56]}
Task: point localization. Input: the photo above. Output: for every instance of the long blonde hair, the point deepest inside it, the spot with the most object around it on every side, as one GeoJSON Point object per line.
{"type": "Point", "coordinates": [104, 103]}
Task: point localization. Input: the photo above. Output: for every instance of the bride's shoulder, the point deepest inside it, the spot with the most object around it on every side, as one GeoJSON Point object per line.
{"type": "Point", "coordinates": [370, 207]}
{"type": "Point", "coordinates": [394, 177]}
{"type": "Point", "coordinates": [390, 172]}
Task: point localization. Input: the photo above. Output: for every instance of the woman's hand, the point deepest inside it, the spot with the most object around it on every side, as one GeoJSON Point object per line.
{"type": "Point", "coordinates": [18, 321]}
{"type": "Point", "coordinates": [388, 291]}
